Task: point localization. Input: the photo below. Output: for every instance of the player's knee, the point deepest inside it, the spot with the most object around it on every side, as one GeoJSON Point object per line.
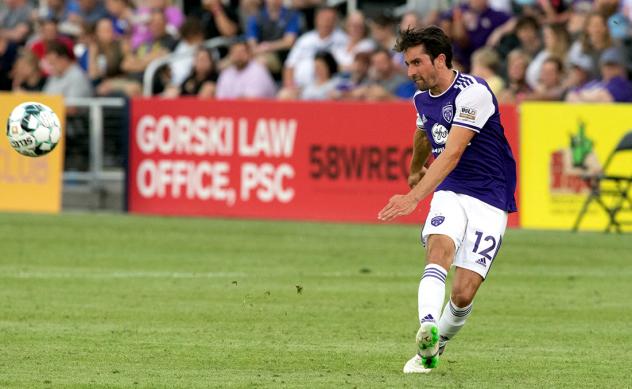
{"type": "Point", "coordinates": [439, 255]}
{"type": "Point", "coordinates": [462, 297]}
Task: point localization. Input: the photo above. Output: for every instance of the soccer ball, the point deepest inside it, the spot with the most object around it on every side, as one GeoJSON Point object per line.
{"type": "Point", "coordinates": [33, 129]}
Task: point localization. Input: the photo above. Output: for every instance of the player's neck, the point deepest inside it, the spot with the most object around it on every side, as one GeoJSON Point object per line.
{"type": "Point", "coordinates": [446, 78]}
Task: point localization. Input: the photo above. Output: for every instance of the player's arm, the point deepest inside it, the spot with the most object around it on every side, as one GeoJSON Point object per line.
{"type": "Point", "coordinates": [473, 107]}
{"type": "Point", "coordinates": [421, 152]}
{"type": "Point", "coordinates": [400, 205]}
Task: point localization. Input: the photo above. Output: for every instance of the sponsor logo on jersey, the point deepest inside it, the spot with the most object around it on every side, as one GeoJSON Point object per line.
{"type": "Point", "coordinates": [438, 150]}
{"type": "Point", "coordinates": [448, 113]}
{"type": "Point", "coordinates": [439, 134]}
{"type": "Point", "coordinates": [468, 114]}
{"type": "Point", "coordinates": [437, 220]}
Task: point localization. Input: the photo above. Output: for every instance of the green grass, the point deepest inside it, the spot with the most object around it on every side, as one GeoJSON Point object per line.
{"type": "Point", "coordinates": [118, 301]}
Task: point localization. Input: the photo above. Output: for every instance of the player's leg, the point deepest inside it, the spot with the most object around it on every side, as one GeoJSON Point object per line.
{"type": "Point", "coordinates": [465, 284]}
{"type": "Point", "coordinates": [474, 258]}
{"type": "Point", "coordinates": [439, 256]}
{"type": "Point", "coordinates": [442, 234]}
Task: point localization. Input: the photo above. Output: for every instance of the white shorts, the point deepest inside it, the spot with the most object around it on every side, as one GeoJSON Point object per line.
{"type": "Point", "coordinates": [476, 228]}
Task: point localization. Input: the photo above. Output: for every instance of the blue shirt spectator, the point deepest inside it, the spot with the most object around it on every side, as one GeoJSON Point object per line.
{"type": "Point", "coordinates": [89, 11]}
{"type": "Point", "coordinates": [271, 33]}
{"type": "Point", "coordinates": [264, 27]}
{"type": "Point", "coordinates": [614, 85]}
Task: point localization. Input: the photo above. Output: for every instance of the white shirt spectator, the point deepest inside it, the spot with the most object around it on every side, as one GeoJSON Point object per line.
{"type": "Point", "coordinates": [345, 57]}
{"type": "Point", "coordinates": [301, 57]}
{"type": "Point", "coordinates": [181, 64]}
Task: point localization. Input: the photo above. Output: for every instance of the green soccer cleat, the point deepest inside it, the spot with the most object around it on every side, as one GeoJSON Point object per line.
{"type": "Point", "coordinates": [428, 344]}
{"type": "Point", "coordinates": [416, 366]}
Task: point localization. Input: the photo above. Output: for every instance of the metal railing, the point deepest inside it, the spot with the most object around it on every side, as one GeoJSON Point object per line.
{"type": "Point", "coordinates": [95, 173]}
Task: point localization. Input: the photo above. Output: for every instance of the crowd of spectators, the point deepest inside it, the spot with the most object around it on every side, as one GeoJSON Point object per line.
{"type": "Point", "coordinates": [554, 50]}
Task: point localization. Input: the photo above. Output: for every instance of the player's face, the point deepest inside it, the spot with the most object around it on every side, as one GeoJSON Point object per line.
{"type": "Point", "coordinates": [421, 69]}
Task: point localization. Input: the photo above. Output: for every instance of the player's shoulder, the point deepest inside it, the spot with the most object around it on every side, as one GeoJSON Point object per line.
{"type": "Point", "coordinates": [420, 93]}
{"type": "Point", "coordinates": [468, 82]}
{"type": "Point", "coordinates": [468, 87]}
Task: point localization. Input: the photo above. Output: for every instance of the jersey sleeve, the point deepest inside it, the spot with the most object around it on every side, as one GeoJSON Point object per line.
{"type": "Point", "coordinates": [474, 106]}
{"type": "Point", "coordinates": [420, 124]}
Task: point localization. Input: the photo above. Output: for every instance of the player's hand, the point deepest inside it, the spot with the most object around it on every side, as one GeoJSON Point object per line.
{"type": "Point", "coordinates": [398, 205]}
{"type": "Point", "coordinates": [414, 178]}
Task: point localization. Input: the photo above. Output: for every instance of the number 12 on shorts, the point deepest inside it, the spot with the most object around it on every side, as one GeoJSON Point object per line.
{"type": "Point", "coordinates": [486, 252]}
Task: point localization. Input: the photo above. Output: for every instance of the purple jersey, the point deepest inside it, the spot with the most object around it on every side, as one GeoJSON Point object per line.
{"type": "Point", "coordinates": [486, 170]}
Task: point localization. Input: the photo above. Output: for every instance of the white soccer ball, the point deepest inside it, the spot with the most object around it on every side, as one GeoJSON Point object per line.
{"type": "Point", "coordinates": [33, 129]}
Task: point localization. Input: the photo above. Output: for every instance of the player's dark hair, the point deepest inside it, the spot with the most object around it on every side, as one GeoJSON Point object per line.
{"type": "Point", "coordinates": [432, 38]}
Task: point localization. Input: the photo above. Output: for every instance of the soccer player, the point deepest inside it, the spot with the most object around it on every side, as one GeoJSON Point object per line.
{"type": "Point", "coordinates": [473, 178]}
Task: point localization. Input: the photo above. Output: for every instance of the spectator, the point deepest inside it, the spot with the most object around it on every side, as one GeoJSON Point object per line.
{"type": "Point", "coordinates": [357, 31]}
{"type": "Point", "coordinates": [160, 45]}
{"type": "Point", "coordinates": [202, 79]}
{"type": "Point", "coordinates": [309, 9]}
{"type": "Point", "coordinates": [324, 85]}
{"type": "Point", "coordinates": [550, 86]}
{"type": "Point", "coordinates": [387, 83]}
{"type": "Point", "coordinates": [525, 36]}
{"type": "Point", "coordinates": [248, 8]}
{"type": "Point", "coordinates": [122, 15]}
{"type": "Point", "coordinates": [86, 11]}
{"type": "Point", "coordinates": [159, 39]}
{"type": "Point", "coordinates": [577, 19]}
{"type": "Point", "coordinates": [517, 87]}
{"type": "Point", "coordinates": [192, 36]}
{"type": "Point", "coordinates": [218, 19]}
{"type": "Point", "coordinates": [606, 7]}
{"type": "Point", "coordinates": [141, 32]}
{"type": "Point", "coordinates": [48, 33]}
{"type": "Point", "coordinates": [410, 19]}
{"type": "Point", "coordinates": [485, 64]}
{"type": "Point", "coordinates": [245, 78]}
{"type": "Point", "coordinates": [26, 73]}
{"type": "Point", "coordinates": [299, 66]}
{"type": "Point", "coordinates": [594, 40]}
{"type": "Point", "coordinates": [470, 25]}
{"type": "Point", "coordinates": [554, 11]}
{"type": "Point", "coordinates": [67, 78]}
{"type": "Point", "coordinates": [356, 77]}
{"type": "Point", "coordinates": [614, 85]}
{"type": "Point", "coordinates": [15, 21]}
{"type": "Point", "coordinates": [105, 54]}
{"type": "Point", "coordinates": [271, 33]}
{"type": "Point", "coordinates": [579, 75]}
{"type": "Point", "coordinates": [54, 9]}
{"type": "Point", "coordinates": [8, 56]}
{"type": "Point", "coordinates": [556, 44]}
{"type": "Point", "coordinates": [431, 9]}
{"type": "Point", "coordinates": [383, 31]}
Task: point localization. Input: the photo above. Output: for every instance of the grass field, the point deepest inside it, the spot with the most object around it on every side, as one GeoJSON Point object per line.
{"type": "Point", "coordinates": [118, 301]}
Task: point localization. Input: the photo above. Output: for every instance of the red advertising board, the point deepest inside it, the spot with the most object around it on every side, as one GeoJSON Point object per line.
{"type": "Point", "coordinates": [280, 160]}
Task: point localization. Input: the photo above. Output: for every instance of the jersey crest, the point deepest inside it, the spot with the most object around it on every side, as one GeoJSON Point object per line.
{"type": "Point", "coordinates": [448, 113]}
